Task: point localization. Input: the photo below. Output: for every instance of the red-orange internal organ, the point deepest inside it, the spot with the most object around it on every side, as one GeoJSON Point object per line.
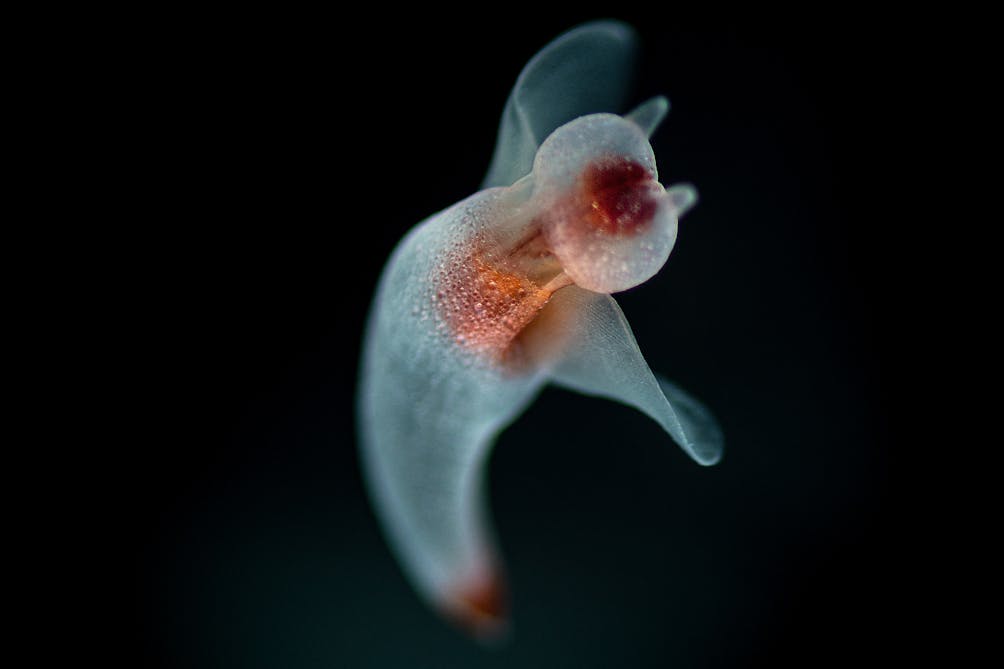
{"type": "Point", "coordinates": [486, 305]}
{"type": "Point", "coordinates": [620, 195]}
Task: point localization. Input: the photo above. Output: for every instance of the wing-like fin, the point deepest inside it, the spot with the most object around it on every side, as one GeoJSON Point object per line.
{"type": "Point", "coordinates": [584, 71]}
{"type": "Point", "coordinates": [698, 423]}
{"type": "Point", "coordinates": [598, 355]}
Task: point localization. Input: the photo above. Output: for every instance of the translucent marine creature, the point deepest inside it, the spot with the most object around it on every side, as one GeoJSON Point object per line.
{"type": "Point", "coordinates": [484, 303]}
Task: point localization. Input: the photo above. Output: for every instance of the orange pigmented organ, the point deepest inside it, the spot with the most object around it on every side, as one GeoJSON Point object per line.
{"type": "Point", "coordinates": [486, 305]}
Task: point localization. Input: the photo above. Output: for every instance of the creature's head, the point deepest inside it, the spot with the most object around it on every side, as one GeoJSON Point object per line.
{"type": "Point", "coordinates": [606, 218]}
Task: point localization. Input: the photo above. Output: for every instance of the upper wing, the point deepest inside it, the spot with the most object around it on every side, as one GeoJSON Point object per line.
{"type": "Point", "coordinates": [586, 70]}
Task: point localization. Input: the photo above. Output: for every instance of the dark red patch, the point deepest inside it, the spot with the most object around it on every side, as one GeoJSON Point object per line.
{"type": "Point", "coordinates": [619, 194]}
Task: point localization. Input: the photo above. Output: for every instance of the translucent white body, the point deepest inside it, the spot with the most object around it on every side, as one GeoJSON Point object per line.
{"type": "Point", "coordinates": [488, 300]}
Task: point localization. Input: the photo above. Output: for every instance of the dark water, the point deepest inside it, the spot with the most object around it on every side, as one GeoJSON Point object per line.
{"type": "Point", "coordinates": [293, 164]}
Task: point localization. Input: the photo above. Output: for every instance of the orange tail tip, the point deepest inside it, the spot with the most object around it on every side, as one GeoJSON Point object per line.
{"type": "Point", "coordinates": [481, 608]}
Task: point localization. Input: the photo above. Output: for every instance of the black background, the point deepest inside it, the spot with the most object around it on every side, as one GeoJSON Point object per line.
{"type": "Point", "coordinates": [288, 159]}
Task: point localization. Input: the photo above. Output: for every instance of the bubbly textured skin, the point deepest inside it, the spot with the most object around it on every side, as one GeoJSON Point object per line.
{"type": "Point", "coordinates": [485, 302]}
{"type": "Point", "coordinates": [433, 395]}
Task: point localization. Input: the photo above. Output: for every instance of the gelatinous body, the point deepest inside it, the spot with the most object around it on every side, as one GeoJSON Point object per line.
{"type": "Point", "coordinates": [488, 300]}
